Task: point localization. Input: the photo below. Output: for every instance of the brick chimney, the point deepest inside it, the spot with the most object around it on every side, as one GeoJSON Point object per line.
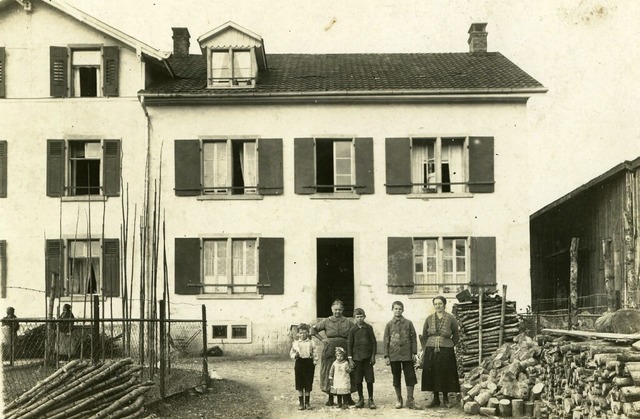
{"type": "Point", "coordinates": [180, 42]}
{"type": "Point", "coordinates": [477, 37]}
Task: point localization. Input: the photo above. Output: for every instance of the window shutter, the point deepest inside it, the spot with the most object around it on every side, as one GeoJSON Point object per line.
{"type": "Point", "coordinates": [54, 268]}
{"type": "Point", "coordinates": [59, 68]}
{"type": "Point", "coordinates": [55, 167]}
{"type": "Point", "coordinates": [481, 165]}
{"type": "Point", "coordinates": [483, 261]}
{"type": "Point", "coordinates": [400, 265]}
{"type": "Point", "coordinates": [111, 57]}
{"type": "Point", "coordinates": [304, 166]}
{"type": "Point", "coordinates": [270, 166]}
{"type": "Point", "coordinates": [3, 169]}
{"type": "Point", "coordinates": [271, 265]}
{"type": "Point", "coordinates": [3, 269]}
{"type": "Point", "coordinates": [111, 267]}
{"type": "Point", "coordinates": [187, 266]}
{"type": "Point", "coordinates": [398, 165]}
{"type": "Point", "coordinates": [111, 175]}
{"type": "Point", "coordinates": [364, 165]}
{"type": "Point", "coordinates": [187, 167]}
{"type": "Point", "coordinates": [2, 73]}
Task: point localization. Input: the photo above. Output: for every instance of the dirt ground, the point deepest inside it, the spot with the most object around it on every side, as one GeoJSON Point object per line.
{"type": "Point", "coordinates": [263, 387]}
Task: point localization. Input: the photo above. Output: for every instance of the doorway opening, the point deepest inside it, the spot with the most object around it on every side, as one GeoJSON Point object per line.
{"type": "Point", "coordinates": [334, 279]}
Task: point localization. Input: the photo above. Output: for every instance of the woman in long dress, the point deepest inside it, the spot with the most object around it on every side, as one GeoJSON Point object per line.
{"type": "Point", "coordinates": [336, 329]}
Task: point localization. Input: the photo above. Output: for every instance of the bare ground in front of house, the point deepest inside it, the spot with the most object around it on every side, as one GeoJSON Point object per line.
{"type": "Point", "coordinates": [263, 387]}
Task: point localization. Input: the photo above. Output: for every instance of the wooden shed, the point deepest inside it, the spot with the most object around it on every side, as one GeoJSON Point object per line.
{"type": "Point", "coordinates": [601, 214]}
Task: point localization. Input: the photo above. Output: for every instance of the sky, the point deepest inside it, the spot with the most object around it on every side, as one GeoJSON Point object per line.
{"type": "Point", "coordinates": [584, 51]}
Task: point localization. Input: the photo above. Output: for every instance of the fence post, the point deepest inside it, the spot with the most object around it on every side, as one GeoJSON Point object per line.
{"type": "Point", "coordinates": [205, 365]}
{"type": "Point", "coordinates": [95, 330]}
{"type": "Point", "coordinates": [573, 284]}
{"type": "Point", "coordinates": [163, 348]}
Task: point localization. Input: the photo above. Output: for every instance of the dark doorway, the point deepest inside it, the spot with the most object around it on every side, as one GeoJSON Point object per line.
{"type": "Point", "coordinates": [334, 275]}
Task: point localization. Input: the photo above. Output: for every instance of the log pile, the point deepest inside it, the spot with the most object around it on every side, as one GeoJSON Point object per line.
{"type": "Point", "coordinates": [82, 390]}
{"type": "Point", "coordinates": [564, 374]}
{"type": "Point", "coordinates": [469, 320]}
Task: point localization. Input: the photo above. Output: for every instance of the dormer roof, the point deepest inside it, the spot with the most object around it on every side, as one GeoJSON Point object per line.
{"type": "Point", "coordinates": [232, 35]}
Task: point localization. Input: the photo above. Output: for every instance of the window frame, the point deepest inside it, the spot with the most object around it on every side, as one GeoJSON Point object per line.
{"type": "Point", "coordinates": [231, 82]}
{"type": "Point", "coordinates": [64, 79]}
{"type": "Point", "coordinates": [75, 82]}
{"type": "Point", "coordinates": [69, 268]}
{"type": "Point", "coordinates": [231, 285]}
{"type": "Point", "coordinates": [230, 325]}
{"type": "Point", "coordinates": [338, 189]}
{"type": "Point", "coordinates": [441, 286]}
{"type": "Point", "coordinates": [71, 161]}
{"type": "Point", "coordinates": [419, 188]}
{"type": "Point", "coordinates": [229, 188]}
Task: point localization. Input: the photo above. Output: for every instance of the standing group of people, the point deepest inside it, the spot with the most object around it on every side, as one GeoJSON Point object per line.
{"type": "Point", "coordinates": [350, 351]}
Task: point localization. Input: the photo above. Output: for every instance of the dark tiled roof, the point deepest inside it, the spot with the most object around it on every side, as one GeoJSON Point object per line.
{"type": "Point", "coordinates": [362, 73]}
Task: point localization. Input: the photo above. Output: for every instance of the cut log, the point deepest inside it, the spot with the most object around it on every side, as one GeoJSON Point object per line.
{"type": "Point", "coordinates": [483, 398]}
{"type": "Point", "coordinates": [630, 394]}
{"type": "Point", "coordinates": [528, 409]}
{"type": "Point", "coordinates": [517, 408]}
{"type": "Point", "coordinates": [537, 409]}
{"type": "Point", "coordinates": [622, 381]}
{"type": "Point", "coordinates": [505, 408]}
{"type": "Point", "coordinates": [493, 402]}
{"type": "Point", "coordinates": [487, 411]}
{"type": "Point", "coordinates": [471, 408]}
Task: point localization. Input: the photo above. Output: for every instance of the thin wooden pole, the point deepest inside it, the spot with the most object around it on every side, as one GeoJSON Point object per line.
{"type": "Point", "coordinates": [205, 365]}
{"type": "Point", "coordinates": [631, 300]}
{"type": "Point", "coordinates": [573, 284]}
{"type": "Point", "coordinates": [95, 335]}
{"type": "Point", "coordinates": [481, 294]}
{"type": "Point", "coordinates": [502, 314]}
{"type": "Point", "coordinates": [163, 347]}
{"type": "Point", "coordinates": [609, 278]}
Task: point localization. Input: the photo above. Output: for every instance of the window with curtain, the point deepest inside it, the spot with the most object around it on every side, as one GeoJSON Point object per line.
{"type": "Point", "coordinates": [230, 262]}
{"type": "Point", "coordinates": [83, 266]}
{"type": "Point", "coordinates": [438, 165]}
{"type": "Point", "coordinates": [231, 68]}
{"type": "Point", "coordinates": [230, 167]}
{"type": "Point", "coordinates": [440, 265]}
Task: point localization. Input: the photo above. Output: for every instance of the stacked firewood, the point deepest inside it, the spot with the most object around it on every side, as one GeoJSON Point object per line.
{"type": "Point", "coordinates": [473, 342]}
{"type": "Point", "coordinates": [83, 390]}
{"type": "Point", "coordinates": [558, 377]}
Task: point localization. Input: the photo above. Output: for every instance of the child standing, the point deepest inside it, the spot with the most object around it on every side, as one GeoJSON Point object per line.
{"type": "Point", "coordinates": [361, 351]}
{"type": "Point", "coordinates": [400, 350]}
{"type": "Point", "coordinates": [339, 378]}
{"type": "Point", "coordinates": [303, 351]}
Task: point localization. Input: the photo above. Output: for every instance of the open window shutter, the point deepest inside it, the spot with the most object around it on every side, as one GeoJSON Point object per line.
{"type": "Point", "coordinates": [58, 71]}
{"type": "Point", "coordinates": [270, 179]}
{"type": "Point", "coordinates": [111, 175]}
{"type": "Point", "coordinates": [111, 267]}
{"type": "Point", "coordinates": [187, 266]}
{"type": "Point", "coordinates": [3, 169]}
{"type": "Point", "coordinates": [483, 261]}
{"type": "Point", "coordinates": [304, 166]}
{"type": "Point", "coordinates": [3, 269]}
{"type": "Point", "coordinates": [400, 265]}
{"type": "Point", "coordinates": [364, 165]}
{"type": "Point", "coordinates": [111, 57]}
{"type": "Point", "coordinates": [54, 268]}
{"type": "Point", "coordinates": [271, 265]}
{"type": "Point", "coordinates": [2, 73]}
{"type": "Point", "coordinates": [55, 167]}
{"type": "Point", "coordinates": [187, 167]}
{"type": "Point", "coordinates": [481, 154]}
{"type": "Point", "coordinates": [398, 165]}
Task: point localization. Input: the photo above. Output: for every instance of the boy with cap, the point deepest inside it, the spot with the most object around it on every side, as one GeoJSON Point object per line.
{"type": "Point", "coordinates": [361, 352]}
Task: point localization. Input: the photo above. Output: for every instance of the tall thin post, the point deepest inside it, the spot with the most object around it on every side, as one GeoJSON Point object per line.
{"type": "Point", "coordinates": [573, 284]}
{"type": "Point", "coordinates": [631, 279]}
{"type": "Point", "coordinates": [609, 278]}
{"type": "Point", "coordinates": [95, 330]}
{"type": "Point", "coordinates": [503, 309]}
{"type": "Point", "coordinates": [205, 365]}
{"type": "Point", "coordinates": [481, 292]}
{"type": "Point", "coordinates": [163, 348]}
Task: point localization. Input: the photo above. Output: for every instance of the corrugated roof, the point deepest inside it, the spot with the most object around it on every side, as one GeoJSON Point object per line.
{"type": "Point", "coordinates": [308, 73]}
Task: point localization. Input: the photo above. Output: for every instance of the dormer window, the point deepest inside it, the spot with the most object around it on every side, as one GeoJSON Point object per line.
{"type": "Point", "coordinates": [231, 68]}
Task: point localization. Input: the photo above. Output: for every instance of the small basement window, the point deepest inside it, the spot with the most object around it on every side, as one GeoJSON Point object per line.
{"type": "Point", "coordinates": [238, 332]}
{"type": "Point", "coordinates": [230, 332]}
{"type": "Point", "coordinates": [219, 332]}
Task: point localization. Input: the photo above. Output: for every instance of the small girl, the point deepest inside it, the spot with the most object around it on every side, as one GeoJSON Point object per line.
{"type": "Point", "coordinates": [339, 378]}
{"type": "Point", "coordinates": [303, 351]}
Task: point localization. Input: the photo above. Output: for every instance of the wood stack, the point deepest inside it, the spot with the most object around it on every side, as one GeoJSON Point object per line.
{"type": "Point", "coordinates": [564, 374]}
{"type": "Point", "coordinates": [82, 390]}
{"type": "Point", "coordinates": [470, 317]}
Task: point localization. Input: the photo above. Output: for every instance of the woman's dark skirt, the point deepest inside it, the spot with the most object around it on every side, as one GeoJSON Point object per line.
{"type": "Point", "coordinates": [440, 371]}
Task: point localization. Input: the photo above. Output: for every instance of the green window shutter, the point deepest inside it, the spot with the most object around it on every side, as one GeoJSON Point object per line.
{"type": "Point", "coordinates": [3, 269]}
{"type": "Point", "coordinates": [364, 165]}
{"type": "Point", "coordinates": [304, 165]}
{"type": "Point", "coordinates": [55, 167]}
{"type": "Point", "coordinates": [398, 165]}
{"type": "Point", "coordinates": [187, 266]}
{"type": "Point", "coordinates": [59, 69]}
{"type": "Point", "coordinates": [54, 267]}
{"type": "Point", "coordinates": [3, 169]}
{"type": "Point", "coordinates": [400, 265]}
{"type": "Point", "coordinates": [481, 157]}
{"type": "Point", "coordinates": [271, 265]}
{"type": "Point", "coordinates": [187, 167]}
{"type": "Point", "coordinates": [111, 175]}
{"type": "Point", "coordinates": [483, 261]}
{"type": "Point", "coordinates": [270, 177]}
{"type": "Point", "coordinates": [110, 58]}
{"type": "Point", "coordinates": [2, 73]}
{"type": "Point", "coordinates": [111, 267]}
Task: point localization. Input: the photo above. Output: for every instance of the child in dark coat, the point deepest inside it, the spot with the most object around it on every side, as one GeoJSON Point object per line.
{"type": "Point", "coordinates": [361, 351]}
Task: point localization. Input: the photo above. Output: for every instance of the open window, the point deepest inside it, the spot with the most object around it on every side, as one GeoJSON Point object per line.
{"type": "Point", "coordinates": [230, 167]}
{"type": "Point", "coordinates": [439, 165]}
{"type": "Point", "coordinates": [91, 71]}
{"type": "Point", "coordinates": [231, 68]}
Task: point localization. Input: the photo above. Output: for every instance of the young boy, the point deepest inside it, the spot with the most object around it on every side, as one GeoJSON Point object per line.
{"type": "Point", "coordinates": [361, 351]}
{"type": "Point", "coordinates": [303, 350]}
{"type": "Point", "coordinates": [400, 350]}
